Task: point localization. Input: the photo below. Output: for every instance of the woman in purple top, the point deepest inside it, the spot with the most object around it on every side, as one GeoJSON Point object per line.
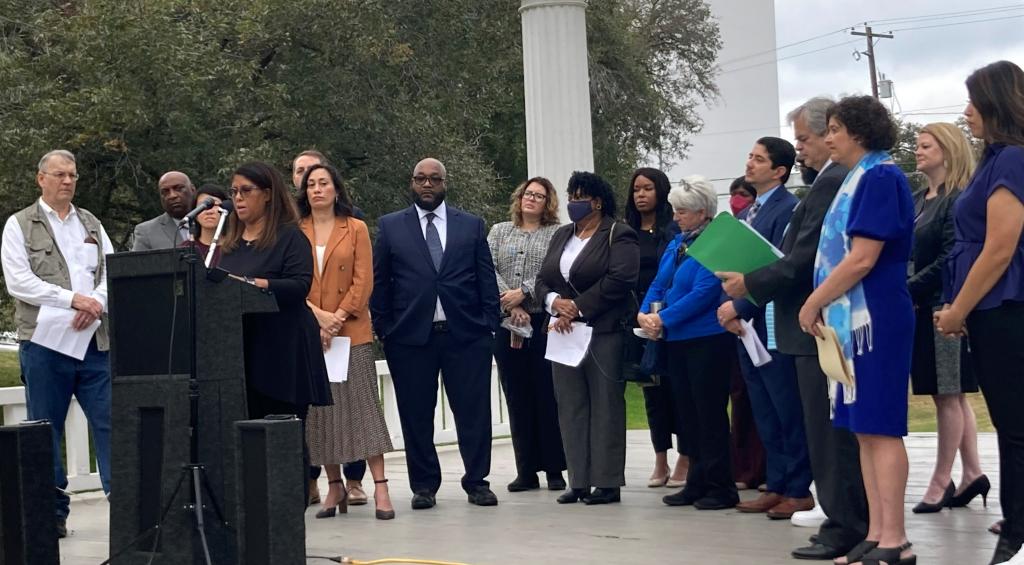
{"type": "Point", "coordinates": [985, 276]}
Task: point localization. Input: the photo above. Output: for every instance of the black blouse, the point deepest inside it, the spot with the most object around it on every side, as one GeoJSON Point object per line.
{"type": "Point", "coordinates": [283, 357]}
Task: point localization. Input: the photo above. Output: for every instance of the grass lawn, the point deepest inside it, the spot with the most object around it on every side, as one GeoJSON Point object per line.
{"type": "Point", "coordinates": [921, 416]}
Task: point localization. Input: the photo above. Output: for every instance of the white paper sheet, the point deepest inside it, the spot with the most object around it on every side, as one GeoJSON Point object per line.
{"type": "Point", "coordinates": [569, 349]}
{"type": "Point", "coordinates": [336, 358]}
{"type": "Point", "coordinates": [53, 331]}
{"type": "Point", "coordinates": [755, 349]}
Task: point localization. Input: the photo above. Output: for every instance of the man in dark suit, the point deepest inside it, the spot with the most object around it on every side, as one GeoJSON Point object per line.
{"type": "Point", "coordinates": [435, 307]}
{"type": "Point", "coordinates": [835, 459]}
{"type": "Point", "coordinates": [167, 230]}
{"type": "Point", "coordinates": [772, 387]}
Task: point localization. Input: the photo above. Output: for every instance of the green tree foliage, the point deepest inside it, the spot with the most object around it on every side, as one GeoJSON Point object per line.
{"type": "Point", "coordinates": [135, 89]}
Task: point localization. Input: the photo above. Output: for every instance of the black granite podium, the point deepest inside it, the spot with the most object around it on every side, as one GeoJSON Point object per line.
{"type": "Point", "coordinates": [151, 345]}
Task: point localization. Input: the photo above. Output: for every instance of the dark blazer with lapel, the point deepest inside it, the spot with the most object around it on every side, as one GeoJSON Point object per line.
{"type": "Point", "coordinates": [406, 284]}
{"type": "Point", "coordinates": [771, 221]}
{"type": "Point", "coordinates": [790, 280]}
{"type": "Point", "coordinates": [601, 277]}
{"type": "Point", "coordinates": [934, 236]}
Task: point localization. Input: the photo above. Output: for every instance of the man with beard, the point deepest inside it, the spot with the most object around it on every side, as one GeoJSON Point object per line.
{"type": "Point", "coordinates": [435, 308]}
{"type": "Point", "coordinates": [834, 452]}
{"type": "Point", "coordinates": [167, 230]}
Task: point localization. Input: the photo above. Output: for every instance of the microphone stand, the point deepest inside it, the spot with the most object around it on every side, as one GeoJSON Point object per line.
{"type": "Point", "coordinates": [216, 237]}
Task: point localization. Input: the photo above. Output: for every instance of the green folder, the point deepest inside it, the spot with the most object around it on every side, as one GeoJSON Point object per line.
{"type": "Point", "coordinates": [728, 244]}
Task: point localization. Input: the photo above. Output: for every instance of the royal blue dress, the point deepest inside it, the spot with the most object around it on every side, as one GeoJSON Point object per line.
{"type": "Point", "coordinates": [883, 209]}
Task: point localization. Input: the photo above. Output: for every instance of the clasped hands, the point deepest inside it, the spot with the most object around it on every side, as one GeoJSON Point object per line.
{"type": "Point", "coordinates": [650, 323]}
{"type": "Point", "coordinates": [330, 325]}
{"type": "Point", "coordinates": [88, 311]}
{"type": "Point", "coordinates": [949, 321]}
{"type": "Point", "coordinates": [567, 312]}
{"type": "Point", "coordinates": [728, 318]}
{"type": "Point", "coordinates": [510, 302]}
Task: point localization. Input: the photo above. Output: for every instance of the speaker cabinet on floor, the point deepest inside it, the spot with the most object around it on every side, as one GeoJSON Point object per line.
{"type": "Point", "coordinates": [28, 527]}
{"type": "Point", "coordinates": [271, 505]}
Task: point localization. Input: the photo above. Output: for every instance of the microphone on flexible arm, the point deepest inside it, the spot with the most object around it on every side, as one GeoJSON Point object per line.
{"type": "Point", "coordinates": [203, 206]}
{"type": "Point", "coordinates": [225, 208]}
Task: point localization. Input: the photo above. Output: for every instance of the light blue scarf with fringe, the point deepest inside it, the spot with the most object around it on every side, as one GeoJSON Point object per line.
{"type": "Point", "coordinates": [848, 314]}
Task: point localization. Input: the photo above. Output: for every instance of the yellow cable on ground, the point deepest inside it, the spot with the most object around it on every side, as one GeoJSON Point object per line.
{"type": "Point", "coordinates": [351, 561]}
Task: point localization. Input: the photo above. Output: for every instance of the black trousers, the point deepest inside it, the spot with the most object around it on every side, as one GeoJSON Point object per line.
{"type": "Point", "coordinates": [465, 368]}
{"type": "Point", "coordinates": [661, 415]}
{"type": "Point", "coordinates": [835, 461]}
{"type": "Point", "coordinates": [354, 471]}
{"type": "Point", "coordinates": [533, 415]}
{"type": "Point", "coordinates": [997, 349]}
{"type": "Point", "coordinates": [261, 405]}
{"type": "Point", "coordinates": [699, 370]}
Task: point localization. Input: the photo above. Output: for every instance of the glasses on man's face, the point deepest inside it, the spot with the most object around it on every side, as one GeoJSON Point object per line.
{"type": "Point", "coordinates": [62, 176]}
{"type": "Point", "coordinates": [242, 192]}
{"type": "Point", "coordinates": [423, 180]}
{"type": "Point", "coordinates": [535, 196]}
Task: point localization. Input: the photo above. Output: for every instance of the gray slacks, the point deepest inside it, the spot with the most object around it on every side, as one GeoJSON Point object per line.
{"type": "Point", "coordinates": [592, 414]}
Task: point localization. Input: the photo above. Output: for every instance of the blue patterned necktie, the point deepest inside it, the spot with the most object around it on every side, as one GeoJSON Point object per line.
{"type": "Point", "coordinates": [753, 212]}
{"type": "Point", "coordinates": [434, 241]}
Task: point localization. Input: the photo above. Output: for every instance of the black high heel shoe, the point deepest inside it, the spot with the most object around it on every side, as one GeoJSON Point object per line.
{"type": "Point", "coordinates": [341, 507]}
{"type": "Point", "coordinates": [927, 507]}
{"type": "Point", "coordinates": [889, 555]}
{"type": "Point", "coordinates": [981, 486]}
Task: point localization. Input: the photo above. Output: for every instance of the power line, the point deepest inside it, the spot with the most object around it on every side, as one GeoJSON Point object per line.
{"type": "Point", "coordinates": [947, 15]}
{"type": "Point", "coordinates": [1002, 18]}
{"type": "Point", "coordinates": [781, 47]}
{"type": "Point", "coordinates": [777, 59]}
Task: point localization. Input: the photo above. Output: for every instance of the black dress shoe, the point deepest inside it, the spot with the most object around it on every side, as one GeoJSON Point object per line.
{"type": "Point", "coordinates": [981, 486]}
{"type": "Point", "coordinates": [573, 495]}
{"type": "Point", "coordinates": [555, 481]}
{"type": "Point", "coordinates": [602, 496]}
{"type": "Point", "coordinates": [713, 502]}
{"type": "Point", "coordinates": [682, 498]}
{"type": "Point", "coordinates": [423, 499]}
{"type": "Point", "coordinates": [482, 496]}
{"type": "Point", "coordinates": [817, 551]}
{"type": "Point", "coordinates": [62, 528]}
{"type": "Point", "coordinates": [813, 538]}
{"type": "Point", "coordinates": [522, 484]}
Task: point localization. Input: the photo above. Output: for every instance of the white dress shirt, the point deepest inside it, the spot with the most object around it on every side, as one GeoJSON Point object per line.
{"type": "Point", "coordinates": [569, 254]}
{"type": "Point", "coordinates": [441, 223]}
{"type": "Point", "coordinates": [69, 235]}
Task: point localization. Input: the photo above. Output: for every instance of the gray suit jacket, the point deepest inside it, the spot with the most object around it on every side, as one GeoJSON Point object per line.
{"type": "Point", "coordinates": [790, 280]}
{"type": "Point", "coordinates": [158, 233]}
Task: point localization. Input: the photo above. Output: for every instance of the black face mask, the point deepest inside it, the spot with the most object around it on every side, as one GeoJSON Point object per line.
{"type": "Point", "coordinates": [579, 209]}
{"type": "Point", "coordinates": [428, 206]}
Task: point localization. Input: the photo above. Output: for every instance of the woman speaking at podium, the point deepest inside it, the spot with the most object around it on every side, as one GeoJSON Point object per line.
{"type": "Point", "coordinates": [284, 364]}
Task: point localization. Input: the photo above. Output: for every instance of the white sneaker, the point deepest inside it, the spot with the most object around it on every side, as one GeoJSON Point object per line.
{"type": "Point", "coordinates": [809, 518]}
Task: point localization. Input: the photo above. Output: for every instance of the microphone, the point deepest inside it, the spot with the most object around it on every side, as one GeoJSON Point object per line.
{"type": "Point", "coordinates": [205, 205]}
{"type": "Point", "coordinates": [225, 208]}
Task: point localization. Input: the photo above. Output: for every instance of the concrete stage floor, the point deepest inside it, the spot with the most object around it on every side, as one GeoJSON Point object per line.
{"type": "Point", "coordinates": [530, 528]}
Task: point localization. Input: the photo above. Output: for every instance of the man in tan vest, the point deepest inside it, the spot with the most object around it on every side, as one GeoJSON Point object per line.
{"type": "Point", "coordinates": [53, 257]}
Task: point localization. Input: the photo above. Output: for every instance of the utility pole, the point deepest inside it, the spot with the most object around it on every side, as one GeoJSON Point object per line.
{"type": "Point", "coordinates": [871, 53]}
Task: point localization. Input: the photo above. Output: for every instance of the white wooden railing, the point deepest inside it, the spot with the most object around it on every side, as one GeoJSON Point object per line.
{"type": "Point", "coordinates": [76, 429]}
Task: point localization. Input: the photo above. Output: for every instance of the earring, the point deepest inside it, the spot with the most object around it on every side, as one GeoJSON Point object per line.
{"type": "Point", "coordinates": [598, 207]}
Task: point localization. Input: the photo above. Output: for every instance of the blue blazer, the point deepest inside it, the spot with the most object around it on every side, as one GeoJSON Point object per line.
{"type": "Point", "coordinates": [406, 285]}
{"type": "Point", "coordinates": [770, 222]}
{"type": "Point", "coordinates": [691, 295]}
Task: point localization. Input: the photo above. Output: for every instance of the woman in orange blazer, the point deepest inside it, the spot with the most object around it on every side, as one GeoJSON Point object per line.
{"type": "Point", "coordinates": [353, 428]}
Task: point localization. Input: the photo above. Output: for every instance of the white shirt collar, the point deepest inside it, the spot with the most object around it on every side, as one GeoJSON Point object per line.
{"type": "Point", "coordinates": [441, 212]}
{"type": "Point", "coordinates": [48, 210]}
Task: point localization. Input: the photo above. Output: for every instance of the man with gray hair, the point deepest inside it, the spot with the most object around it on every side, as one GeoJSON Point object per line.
{"type": "Point", "coordinates": [53, 257]}
{"type": "Point", "coordinates": [177, 194]}
{"type": "Point", "coordinates": [788, 282]}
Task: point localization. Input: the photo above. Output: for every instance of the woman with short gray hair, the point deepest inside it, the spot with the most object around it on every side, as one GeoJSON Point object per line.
{"type": "Point", "coordinates": [680, 308]}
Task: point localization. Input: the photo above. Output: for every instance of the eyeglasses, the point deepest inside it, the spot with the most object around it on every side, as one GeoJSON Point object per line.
{"type": "Point", "coordinates": [242, 192]}
{"type": "Point", "coordinates": [61, 176]}
{"type": "Point", "coordinates": [536, 196]}
{"type": "Point", "coordinates": [422, 180]}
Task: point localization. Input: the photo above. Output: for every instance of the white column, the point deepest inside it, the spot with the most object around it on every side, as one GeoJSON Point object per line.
{"type": "Point", "coordinates": [557, 85]}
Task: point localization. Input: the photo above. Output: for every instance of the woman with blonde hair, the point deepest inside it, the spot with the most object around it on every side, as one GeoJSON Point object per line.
{"type": "Point", "coordinates": [945, 158]}
{"type": "Point", "coordinates": [518, 248]}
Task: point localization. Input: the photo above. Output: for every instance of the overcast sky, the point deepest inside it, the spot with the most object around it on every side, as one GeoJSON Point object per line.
{"type": "Point", "coordinates": [927, 66]}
